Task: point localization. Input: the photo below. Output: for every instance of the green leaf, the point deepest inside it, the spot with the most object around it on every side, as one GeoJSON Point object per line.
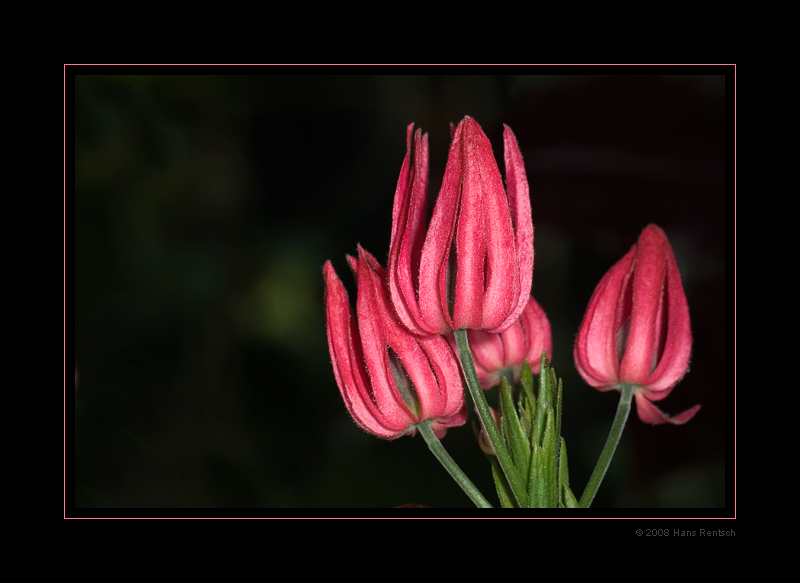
{"type": "Point", "coordinates": [569, 498]}
{"type": "Point", "coordinates": [550, 463]}
{"type": "Point", "coordinates": [526, 417]}
{"type": "Point", "coordinates": [515, 437]}
{"type": "Point", "coordinates": [558, 407]}
{"type": "Point", "coordinates": [544, 401]}
{"type": "Point", "coordinates": [563, 472]}
{"type": "Point", "coordinates": [535, 481]}
{"type": "Point", "coordinates": [504, 492]}
{"type": "Point", "coordinates": [527, 383]}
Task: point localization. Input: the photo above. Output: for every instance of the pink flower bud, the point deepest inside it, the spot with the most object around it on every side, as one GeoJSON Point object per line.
{"type": "Point", "coordinates": [473, 267]}
{"type": "Point", "coordinates": [389, 379]}
{"type": "Point", "coordinates": [504, 353]}
{"type": "Point", "coordinates": [636, 329]}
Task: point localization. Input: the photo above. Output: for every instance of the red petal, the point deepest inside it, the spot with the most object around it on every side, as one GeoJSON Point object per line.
{"type": "Point", "coordinates": [519, 203]}
{"type": "Point", "coordinates": [677, 347]}
{"type": "Point", "coordinates": [537, 331]}
{"type": "Point", "coordinates": [408, 233]}
{"type": "Point", "coordinates": [648, 289]}
{"type": "Point", "coordinates": [348, 362]}
{"type": "Point", "coordinates": [596, 347]}
{"type": "Point", "coordinates": [649, 413]}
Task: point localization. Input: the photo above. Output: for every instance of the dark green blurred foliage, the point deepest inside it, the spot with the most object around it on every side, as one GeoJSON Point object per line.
{"type": "Point", "coordinates": [205, 207]}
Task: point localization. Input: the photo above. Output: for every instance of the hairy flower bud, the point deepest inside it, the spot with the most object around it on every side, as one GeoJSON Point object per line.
{"type": "Point", "coordinates": [636, 328]}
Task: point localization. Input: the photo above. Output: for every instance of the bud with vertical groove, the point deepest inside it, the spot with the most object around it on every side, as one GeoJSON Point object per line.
{"type": "Point", "coordinates": [473, 266]}
{"type": "Point", "coordinates": [636, 328]}
{"type": "Point", "coordinates": [390, 380]}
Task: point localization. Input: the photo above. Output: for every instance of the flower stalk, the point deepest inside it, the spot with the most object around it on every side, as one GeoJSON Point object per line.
{"type": "Point", "coordinates": [623, 409]}
{"type": "Point", "coordinates": [437, 449]}
{"type": "Point", "coordinates": [474, 386]}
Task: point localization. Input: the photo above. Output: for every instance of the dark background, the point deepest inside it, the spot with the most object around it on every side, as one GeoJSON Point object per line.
{"type": "Point", "coordinates": [205, 207]}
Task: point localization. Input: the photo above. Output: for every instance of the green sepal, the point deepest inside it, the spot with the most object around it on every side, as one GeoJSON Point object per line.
{"type": "Point", "coordinates": [513, 434]}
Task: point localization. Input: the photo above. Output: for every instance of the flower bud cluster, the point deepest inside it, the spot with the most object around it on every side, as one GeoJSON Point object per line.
{"type": "Point", "coordinates": [471, 268]}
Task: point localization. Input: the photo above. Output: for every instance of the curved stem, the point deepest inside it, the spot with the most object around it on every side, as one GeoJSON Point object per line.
{"type": "Point", "coordinates": [450, 465]}
{"type": "Point", "coordinates": [604, 461]}
{"type": "Point", "coordinates": [503, 456]}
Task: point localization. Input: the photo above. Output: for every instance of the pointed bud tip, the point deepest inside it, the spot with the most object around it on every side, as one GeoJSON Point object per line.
{"type": "Point", "coordinates": [328, 272]}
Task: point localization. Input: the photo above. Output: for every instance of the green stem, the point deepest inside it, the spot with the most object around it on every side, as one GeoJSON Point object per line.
{"type": "Point", "coordinates": [487, 420]}
{"type": "Point", "coordinates": [450, 465]}
{"type": "Point", "coordinates": [604, 461]}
